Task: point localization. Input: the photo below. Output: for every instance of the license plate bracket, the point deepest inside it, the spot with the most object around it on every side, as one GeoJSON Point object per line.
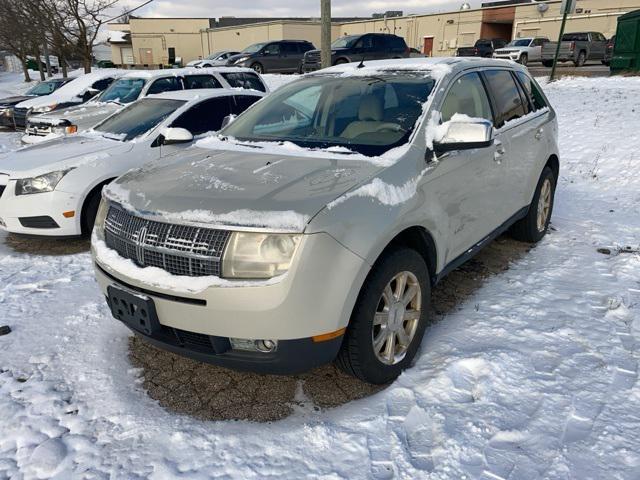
{"type": "Point", "coordinates": [135, 310]}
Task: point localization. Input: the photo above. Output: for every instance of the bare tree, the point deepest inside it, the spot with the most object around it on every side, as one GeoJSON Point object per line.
{"type": "Point", "coordinates": [16, 33]}
{"type": "Point", "coordinates": [84, 19]}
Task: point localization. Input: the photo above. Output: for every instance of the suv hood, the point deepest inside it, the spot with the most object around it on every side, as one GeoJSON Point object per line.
{"type": "Point", "coordinates": [238, 188]}
{"type": "Point", "coordinates": [80, 114]}
{"type": "Point", "coordinates": [233, 58]}
{"type": "Point", "coordinates": [59, 154]}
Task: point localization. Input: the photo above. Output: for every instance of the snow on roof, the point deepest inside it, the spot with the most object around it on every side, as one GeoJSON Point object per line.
{"type": "Point", "coordinates": [69, 92]}
{"type": "Point", "coordinates": [118, 36]}
{"type": "Point", "coordinates": [199, 93]}
{"type": "Point", "coordinates": [174, 72]}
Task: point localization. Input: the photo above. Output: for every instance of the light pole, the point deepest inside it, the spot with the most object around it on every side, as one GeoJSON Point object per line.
{"type": "Point", "coordinates": [325, 47]}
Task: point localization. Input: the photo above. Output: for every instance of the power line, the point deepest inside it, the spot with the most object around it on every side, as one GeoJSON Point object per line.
{"type": "Point", "coordinates": [129, 11]}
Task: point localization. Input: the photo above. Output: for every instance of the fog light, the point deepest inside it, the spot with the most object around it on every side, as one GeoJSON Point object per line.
{"type": "Point", "coordinates": [266, 346]}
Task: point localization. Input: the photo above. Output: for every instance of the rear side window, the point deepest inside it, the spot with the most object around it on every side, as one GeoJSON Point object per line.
{"type": "Point", "coordinates": [508, 102]}
{"type": "Point", "coordinates": [192, 82]}
{"type": "Point", "coordinates": [168, 84]}
{"type": "Point", "coordinates": [204, 117]}
{"type": "Point", "coordinates": [242, 102]}
{"type": "Point", "coordinates": [575, 37]}
{"type": "Point", "coordinates": [290, 48]}
{"type": "Point", "coordinates": [467, 96]}
{"type": "Point", "coordinates": [532, 89]}
{"type": "Point", "coordinates": [246, 80]}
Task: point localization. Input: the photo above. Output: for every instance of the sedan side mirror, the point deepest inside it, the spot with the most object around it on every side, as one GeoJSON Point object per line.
{"type": "Point", "coordinates": [227, 120]}
{"type": "Point", "coordinates": [464, 133]}
{"type": "Point", "coordinates": [173, 136]}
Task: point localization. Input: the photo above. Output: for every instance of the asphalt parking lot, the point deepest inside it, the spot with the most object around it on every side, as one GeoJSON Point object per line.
{"type": "Point", "coordinates": [592, 69]}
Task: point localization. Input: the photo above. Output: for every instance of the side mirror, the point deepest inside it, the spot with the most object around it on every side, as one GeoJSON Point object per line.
{"type": "Point", "coordinates": [173, 136]}
{"type": "Point", "coordinates": [227, 120]}
{"type": "Point", "coordinates": [464, 133]}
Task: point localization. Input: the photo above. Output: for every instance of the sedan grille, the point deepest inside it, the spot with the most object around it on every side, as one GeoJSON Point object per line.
{"type": "Point", "coordinates": [178, 249]}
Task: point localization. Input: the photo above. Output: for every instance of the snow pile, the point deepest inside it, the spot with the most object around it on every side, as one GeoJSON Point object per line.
{"type": "Point", "coordinates": [535, 375]}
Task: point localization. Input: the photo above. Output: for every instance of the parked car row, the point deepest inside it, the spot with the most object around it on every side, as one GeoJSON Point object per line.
{"type": "Point", "coordinates": [578, 47]}
{"type": "Point", "coordinates": [313, 226]}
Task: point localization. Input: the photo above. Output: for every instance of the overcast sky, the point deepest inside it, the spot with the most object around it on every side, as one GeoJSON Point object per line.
{"type": "Point", "coordinates": [288, 8]}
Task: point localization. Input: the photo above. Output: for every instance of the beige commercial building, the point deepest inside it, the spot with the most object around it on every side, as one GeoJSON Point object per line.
{"type": "Point", "coordinates": [153, 42]}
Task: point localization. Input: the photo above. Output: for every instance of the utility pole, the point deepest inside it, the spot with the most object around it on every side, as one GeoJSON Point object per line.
{"type": "Point", "coordinates": [325, 47]}
{"type": "Point", "coordinates": [567, 7]}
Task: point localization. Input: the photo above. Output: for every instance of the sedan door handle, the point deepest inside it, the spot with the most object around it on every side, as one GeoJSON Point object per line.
{"type": "Point", "coordinates": [539, 133]}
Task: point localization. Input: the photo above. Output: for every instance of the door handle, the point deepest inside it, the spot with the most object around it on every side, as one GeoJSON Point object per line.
{"type": "Point", "coordinates": [539, 133]}
{"type": "Point", "coordinates": [500, 151]}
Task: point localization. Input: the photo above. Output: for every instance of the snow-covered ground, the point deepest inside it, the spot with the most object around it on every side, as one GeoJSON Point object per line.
{"type": "Point", "coordinates": [535, 376]}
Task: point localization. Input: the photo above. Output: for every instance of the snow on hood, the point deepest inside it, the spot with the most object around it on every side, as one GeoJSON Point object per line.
{"type": "Point", "coordinates": [232, 188]}
{"type": "Point", "coordinates": [78, 114]}
{"type": "Point", "coordinates": [59, 154]}
{"type": "Point", "coordinates": [69, 92]}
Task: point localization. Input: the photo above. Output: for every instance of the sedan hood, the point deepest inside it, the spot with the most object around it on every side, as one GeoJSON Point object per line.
{"type": "Point", "coordinates": [84, 116]}
{"type": "Point", "coordinates": [11, 101]}
{"type": "Point", "coordinates": [238, 188]}
{"type": "Point", "coordinates": [59, 154]}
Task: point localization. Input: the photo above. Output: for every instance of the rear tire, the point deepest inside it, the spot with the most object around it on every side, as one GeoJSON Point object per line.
{"type": "Point", "coordinates": [389, 319]}
{"type": "Point", "coordinates": [341, 61]}
{"type": "Point", "coordinates": [534, 226]}
{"type": "Point", "coordinates": [258, 68]}
{"type": "Point", "coordinates": [581, 60]}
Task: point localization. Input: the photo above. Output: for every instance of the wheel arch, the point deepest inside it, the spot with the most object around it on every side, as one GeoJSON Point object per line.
{"type": "Point", "coordinates": [95, 189]}
{"type": "Point", "coordinates": [554, 164]}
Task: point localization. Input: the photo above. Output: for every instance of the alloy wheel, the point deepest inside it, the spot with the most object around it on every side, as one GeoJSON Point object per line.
{"type": "Point", "coordinates": [544, 205]}
{"type": "Point", "coordinates": [396, 318]}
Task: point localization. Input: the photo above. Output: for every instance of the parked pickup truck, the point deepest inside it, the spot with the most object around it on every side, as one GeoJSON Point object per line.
{"type": "Point", "coordinates": [482, 48]}
{"type": "Point", "coordinates": [577, 48]}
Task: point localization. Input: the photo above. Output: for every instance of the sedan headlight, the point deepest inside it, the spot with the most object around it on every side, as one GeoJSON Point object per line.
{"type": "Point", "coordinates": [101, 216]}
{"type": "Point", "coordinates": [41, 184]}
{"type": "Point", "coordinates": [259, 255]}
{"type": "Point", "coordinates": [45, 109]}
{"type": "Point", "coordinates": [241, 59]}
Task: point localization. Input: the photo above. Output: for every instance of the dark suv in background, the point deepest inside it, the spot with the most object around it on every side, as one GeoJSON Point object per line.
{"type": "Point", "coordinates": [354, 48]}
{"type": "Point", "coordinates": [284, 56]}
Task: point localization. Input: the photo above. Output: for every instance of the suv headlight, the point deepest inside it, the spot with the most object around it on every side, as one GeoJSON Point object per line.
{"type": "Point", "coordinates": [65, 129]}
{"type": "Point", "coordinates": [259, 255]}
{"type": "Point", "coordinates": [101, 216]}
{"type": "Point", "coordinates": [41, 184]}
{"type": "Point", "coordinates": [44, 109]}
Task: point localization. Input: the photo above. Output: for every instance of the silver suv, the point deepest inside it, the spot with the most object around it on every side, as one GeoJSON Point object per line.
{"type": "Point", "coordinates": [315, 226]}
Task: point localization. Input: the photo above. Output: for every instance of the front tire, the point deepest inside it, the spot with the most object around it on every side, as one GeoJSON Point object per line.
{"type": "Point", "coordinates": [535, 225]}
{"type": "Point", "coordinates": [258, 68]}
{"type": "Point", "coordinates": [389, 319]}
{"type": "Point", "coordinates": [524, 59]}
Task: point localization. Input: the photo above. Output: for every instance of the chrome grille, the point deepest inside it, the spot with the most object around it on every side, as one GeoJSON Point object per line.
{"type": "Point", "coordinates": [178, 249]}
{"type": "Point", "coordinates": [20, 117]}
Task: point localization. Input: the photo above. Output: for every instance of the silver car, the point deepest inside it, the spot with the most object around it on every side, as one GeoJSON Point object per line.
{"type": "Point", "coordinates": [315, 226]}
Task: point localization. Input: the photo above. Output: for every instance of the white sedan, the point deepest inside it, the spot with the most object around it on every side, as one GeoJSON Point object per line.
{"type": "Point", "coordinates": [54, 188]}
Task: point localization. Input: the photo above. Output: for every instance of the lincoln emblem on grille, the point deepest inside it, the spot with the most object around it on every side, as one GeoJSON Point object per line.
{"type": "Point", "coordinates": [140, 241]}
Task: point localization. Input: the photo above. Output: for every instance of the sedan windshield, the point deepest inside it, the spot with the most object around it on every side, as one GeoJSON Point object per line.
{"type": "Point", "coordinates": [138, 118]}
{"type": "Point", "coordinates": [123, 90]}
{"type": "Point", "coordinates": [256, 47]}
{"type": "Point", "coordinates": [365, 114]}
{"type": "Point", "coordinates": [44, 88]}
{"type": "Point", "coordinates": [522, 42]}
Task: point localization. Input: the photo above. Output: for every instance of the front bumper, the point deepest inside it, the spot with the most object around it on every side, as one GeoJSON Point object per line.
{"type": "Point", "coordinates": [507, 56]}
{"type": "Point", "coordinates": [311, 67]}
{"type": "Point", "coordinates": [316, 297]}
{"type": "Point", "coordinates": [26, 214]}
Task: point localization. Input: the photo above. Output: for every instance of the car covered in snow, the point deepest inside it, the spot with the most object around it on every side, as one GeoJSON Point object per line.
{"type": "Point", "coordinates": [79, 90]}
{"type": "Point", "coordinates": [314, 226]}
{"type": "Point", "coordinates": [130, 87]}
{"type": "Point", "coordinates": [54, 188]}
{"type": "Point", "coordinates": [522, 50]}
{"type": "Point", "coordinates": [7, 104]}
{"type": "Point", "coordinates": [216, 59]}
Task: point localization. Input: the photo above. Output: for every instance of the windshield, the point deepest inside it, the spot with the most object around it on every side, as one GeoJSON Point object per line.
{"type": "Point", "coordinates": [365, 114]}
{"type": "Point", "coordinates": [522, 42]}
{"type": "Point", "coordinates": [44, 88]}
{"type": "Point", "coordinates": [123, 90]}
{"type": "Point", "coordinates": [345, 42]}
{"type": "Point", "coordinates": [256, 47]}
{"type": "Point", "coordinates": [138, 118]}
